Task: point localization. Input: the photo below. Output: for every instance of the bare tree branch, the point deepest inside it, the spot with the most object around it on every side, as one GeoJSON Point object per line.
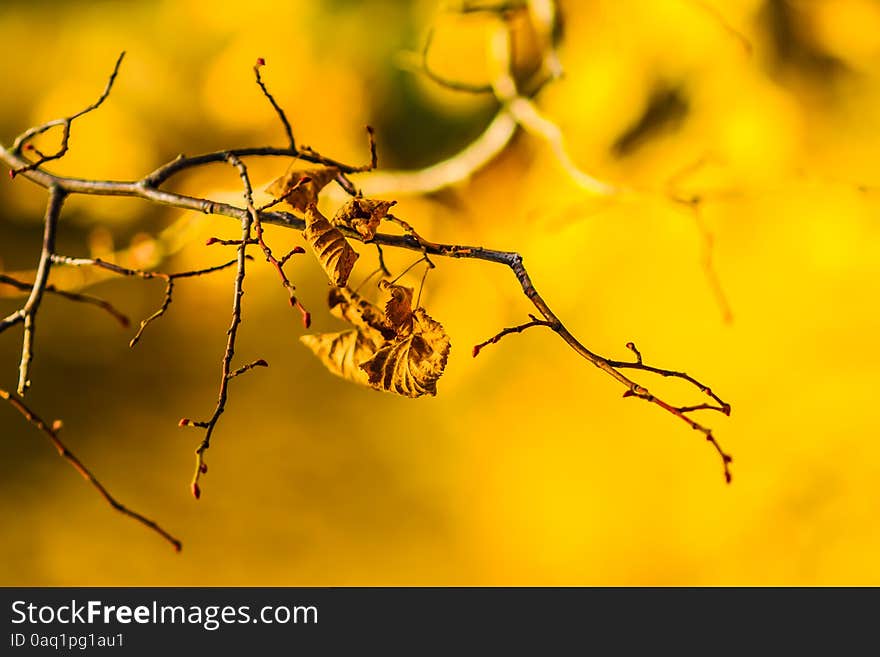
{"type": "Point", "coordinates": [281, 115]}
{"type": "Point", "coordinates": [52, 433]}
{"type": "Point", "coordinates": [32, 305]}
{"type": "Point", "coordinates": [411, 242]}
{"type": "Point", "coordinates": [247, 221]}
{"type": "Point", "coordinates": [72, 296]}
{"type": "Point", "coordinates": [146, 275]}
{"type": "Point", "coordinates": [252, 219]}
{"type": "Point", "coordinates": [24, 139]}
{"type": "Point", "coordinates": [507, 331]}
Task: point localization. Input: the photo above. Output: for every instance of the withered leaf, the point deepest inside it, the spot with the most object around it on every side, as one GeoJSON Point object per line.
{"type": "Point", "coordinates": [330, 246]}
{"type": "Point", "coordinates": [398, 309]}
{"type": "Point", "coordinates": [363, 215]}
{"type": "Point", "coordinates": [343, 353]}
{"type": "Point", "coordinates": [301, 196]}
{"type": "Point", "coordinates": [411, 365]}
{"type": "Point", "coordinates": [348, 305]}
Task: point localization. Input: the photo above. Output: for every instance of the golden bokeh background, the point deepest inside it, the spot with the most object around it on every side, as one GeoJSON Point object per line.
{"type": "Point", "coordinates": [528, 467]}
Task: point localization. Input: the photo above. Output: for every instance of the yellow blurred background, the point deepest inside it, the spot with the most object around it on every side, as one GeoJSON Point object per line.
{"type": "Point", "coordinates": [528, 467]}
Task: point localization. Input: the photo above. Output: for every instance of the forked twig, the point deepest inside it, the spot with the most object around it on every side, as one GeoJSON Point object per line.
{"type": "Point", "coordinates": [24, 139]}
{"type": "Point", "coordinates": [146, 275]}
{"type": "Point", "coordinates": [507, 331]}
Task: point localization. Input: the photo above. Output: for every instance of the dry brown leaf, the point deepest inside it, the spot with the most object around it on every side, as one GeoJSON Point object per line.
{"type": "Point", "coordinates": [301, 196]}
{"type": "Point", "coordinates": [402, 351]}
{"type": "Point", "coordinates": [330, 246]}
{"type": "Point", "coordinates": [348, 305]}
{"type": "Point", "coordinates": [411, 365]}
{"type": "Point", "coordinates": [363, 215]}
{"type": "Point", "coordinates": [398, 309]}
{"type": "Point", "coordinates": [343, 353]}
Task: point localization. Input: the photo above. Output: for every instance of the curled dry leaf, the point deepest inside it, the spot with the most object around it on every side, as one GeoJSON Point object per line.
{"type": "Point", "coordinates": [335, 254]}
{"type": "Point", "coordinates": [348, 305]}
{"type": "Point", "coordinates": [398, 309]}
{"type": "Point", "coordinates": [406, 361]}
{"type": "Point", "coordinates": [342, 353]}
{"type": "Point", "coordinates": [411, 365]}
{"type": "Point", "coordinates": [300, 196]}
{"type": "Point", "coordinates": [363, 215]}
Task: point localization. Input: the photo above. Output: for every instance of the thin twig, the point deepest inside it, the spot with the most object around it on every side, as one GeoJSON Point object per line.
{"type": "Point", "coordinates": [638, 364]}
{"type": "Point", "coordinates": [382, 267]}
{"type": "Point", "coordinates": [32, 305]}
{"type": "Point", "coordinates": [26, 136]}
{"type": "Point", "coordinates": [260, 240]}
{"type": "Point", "coordinates": [72, 296]}
{"type": "Point", "coordinates": [216, 240]}
{"type": "Point", "coordinates": [428, 267]}
{"type": "Point", "coordinates": [281, 115]}
{"type": "Point", "coordinates": [247, 368]}
{"type": "Point", "coordinates": [297, 250]}
{"type": "Point", "coordinates": [507, 331]}
{"type": "Point", "coordinates": [250, 216]}
{"type": "Point", "coordinates": [52, 433]}
{"type": "Point", "coordinates": [146, 275]}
